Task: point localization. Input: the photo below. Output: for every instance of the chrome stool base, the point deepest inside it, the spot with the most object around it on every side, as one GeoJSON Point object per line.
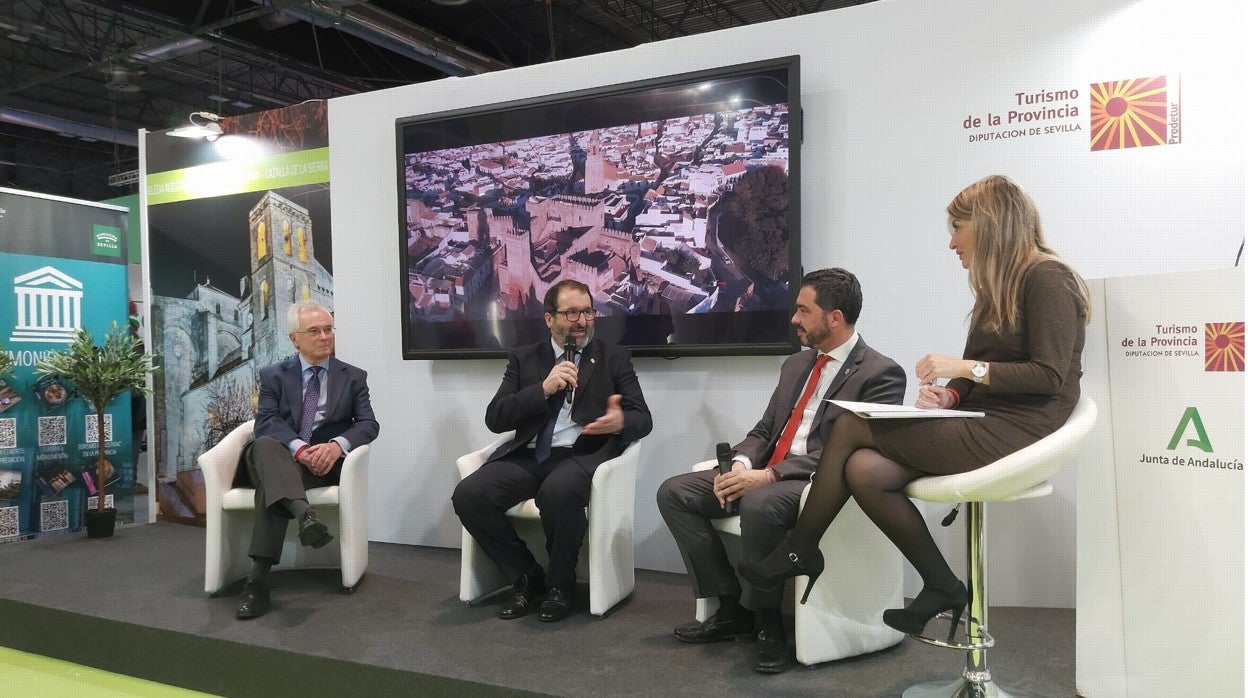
{"type": "Point", "coordinates": [974, 629]}
{"type": "Point", "coordinates": [962, 688]}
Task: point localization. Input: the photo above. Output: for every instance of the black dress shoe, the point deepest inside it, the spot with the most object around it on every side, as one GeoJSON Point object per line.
{"type": "Point", "coordinates": [557, 606]}
{"type": "Point", "coordinates": [773, 655]}
{"type": "Point", "coordinates": [715, 629]}
{"type": "Point", "coordinates": [524, 595]}
{"type": "Point", "coordinates": [254, 601]}
{"type": "Point", "coordinates": [312, 531]}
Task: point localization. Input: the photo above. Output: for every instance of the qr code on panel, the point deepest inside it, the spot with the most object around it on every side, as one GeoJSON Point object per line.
{"type": "Point", "coordinates": [54, 515]}
{"type": "Point", "coordinates": [94, 501]}
{"type": "Point", "coordinates": [8, 522]}
{"type": "Point", "coordinates": [51, 431]}
{"type": "Point", "coordinates": [93, 436]}
{"type": "Point", "coordinates": [8, 433]}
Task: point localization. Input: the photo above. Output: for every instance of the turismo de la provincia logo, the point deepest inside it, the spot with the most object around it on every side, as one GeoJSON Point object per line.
{"type": "Point", "coordinates": [1118, 114]}
{"type": "Point", "coordinates": [1136, 113]}
{"type": "Point", "coordinates": [1224, 346]}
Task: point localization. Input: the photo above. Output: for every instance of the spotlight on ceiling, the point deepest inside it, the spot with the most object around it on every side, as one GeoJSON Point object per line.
{"type": "Point", "coordinates": [122, 79]}
{"type": "Point", "coordinates": [203, 125]}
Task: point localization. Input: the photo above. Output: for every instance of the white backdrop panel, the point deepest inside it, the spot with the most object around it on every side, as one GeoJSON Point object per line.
{"type": "Point", "coordinates": [885, 90]}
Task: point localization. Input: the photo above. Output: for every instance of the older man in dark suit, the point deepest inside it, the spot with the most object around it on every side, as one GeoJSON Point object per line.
{"type": "Point", "coordinates": [574, 402]}
{"type": "Point", "coordinates": [312, 410]}
{"type": "Point", "coordinates": [774, 462]}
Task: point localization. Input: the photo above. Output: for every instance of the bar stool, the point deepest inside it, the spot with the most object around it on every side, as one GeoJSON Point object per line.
{"type": "Point", "coordinates": [1023, 474]}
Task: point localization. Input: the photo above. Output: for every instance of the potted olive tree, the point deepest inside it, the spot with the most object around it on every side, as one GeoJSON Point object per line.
{"type": "Point", "coordinates": [100, 375]}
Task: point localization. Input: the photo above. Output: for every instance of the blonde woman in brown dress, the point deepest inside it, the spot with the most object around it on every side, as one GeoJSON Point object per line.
{"type": "Point", "coordinates": [1021, 367]}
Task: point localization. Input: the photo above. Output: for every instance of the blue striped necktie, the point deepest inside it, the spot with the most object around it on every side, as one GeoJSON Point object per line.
{"type": "Point", "coordinates": [311, 400]}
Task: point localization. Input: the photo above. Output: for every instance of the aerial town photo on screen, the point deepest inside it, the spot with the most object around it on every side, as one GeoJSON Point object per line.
{"type": "Point", "coordinates": [673, 216]}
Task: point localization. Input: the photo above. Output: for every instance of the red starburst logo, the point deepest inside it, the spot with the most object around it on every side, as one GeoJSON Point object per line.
{"type": "Point", "coordinates": [1129, 113]}
{"type": "Point", "coordinates": [1224, 346]}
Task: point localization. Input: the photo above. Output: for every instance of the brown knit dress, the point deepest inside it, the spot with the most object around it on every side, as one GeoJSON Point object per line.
{"type": "Point", "coordinates": [1033, 384]}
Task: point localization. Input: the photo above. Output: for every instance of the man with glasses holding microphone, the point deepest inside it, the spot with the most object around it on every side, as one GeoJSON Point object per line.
{"type": "Point", "coordinates": [312, 410]}
{"type": "Point", "coordinates": [574, 403]}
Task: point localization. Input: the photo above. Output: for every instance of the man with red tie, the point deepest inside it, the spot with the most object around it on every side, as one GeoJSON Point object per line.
{"type": "Point", "coordinates": [773, 464]}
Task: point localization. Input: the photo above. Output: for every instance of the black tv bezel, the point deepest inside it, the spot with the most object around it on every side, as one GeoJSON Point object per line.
{"type": "Point", "coordinates": [791, 64]}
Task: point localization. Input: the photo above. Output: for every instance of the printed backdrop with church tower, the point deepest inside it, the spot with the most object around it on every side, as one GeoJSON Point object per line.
{"type": "Point", "coordinates": [220, 290]}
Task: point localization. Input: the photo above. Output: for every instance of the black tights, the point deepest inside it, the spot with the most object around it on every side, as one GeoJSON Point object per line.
{"type": "Point", "coordinates": [850, 465]}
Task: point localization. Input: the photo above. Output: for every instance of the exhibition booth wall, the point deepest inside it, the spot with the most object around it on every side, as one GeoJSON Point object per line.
{"type": "Point", "coordinates": [63, 265]}
{"type": "Point", "coordinates": [905, 102]}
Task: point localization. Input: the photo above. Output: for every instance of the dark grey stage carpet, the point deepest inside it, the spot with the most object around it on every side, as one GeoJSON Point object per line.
{"type": "Point", "coordinates": [135, 604]}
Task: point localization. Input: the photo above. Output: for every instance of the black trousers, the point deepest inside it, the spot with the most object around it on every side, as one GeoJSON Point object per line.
{"type": "Point", "coordinates": [560, 487]}
{"type": "Point", "coordinates": [688, 505]}
{"type": "Point", "coordinates": [277, 477]}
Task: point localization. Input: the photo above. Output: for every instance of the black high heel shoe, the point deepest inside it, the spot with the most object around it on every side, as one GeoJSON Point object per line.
{"type": "Point", "coordinates": [930, 602]}
{"type": "Point", "coordinates": [782, 564]}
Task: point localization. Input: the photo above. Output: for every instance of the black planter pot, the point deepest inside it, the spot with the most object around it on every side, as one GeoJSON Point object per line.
{"type": "Point", "coordinates": [100, 524]}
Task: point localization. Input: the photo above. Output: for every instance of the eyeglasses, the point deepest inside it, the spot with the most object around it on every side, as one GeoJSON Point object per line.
{"type": "Point", "coordinates": [576, 314]}
{"type": "Point", "coordinates": [317, 331]}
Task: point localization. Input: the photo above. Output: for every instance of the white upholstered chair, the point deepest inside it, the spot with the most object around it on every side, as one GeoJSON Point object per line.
{"type": "Point", "coordinates": [1023, 474]}
{"type": "Point", "coordinates": [606, 558]}
{"type": "Point", "coordinates": [343, 507]}
{"type": "Point", "coordinates": [842, 617]}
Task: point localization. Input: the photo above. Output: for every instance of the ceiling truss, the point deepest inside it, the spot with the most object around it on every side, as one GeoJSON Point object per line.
{"type": "Point", "coordinates": [78, 78]}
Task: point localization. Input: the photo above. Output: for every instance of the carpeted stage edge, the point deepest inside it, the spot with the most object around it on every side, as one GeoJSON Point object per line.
{"type": "Point", "coordinates": [134, 604]}
{"type": "Point", "coordinates": [200, 663]}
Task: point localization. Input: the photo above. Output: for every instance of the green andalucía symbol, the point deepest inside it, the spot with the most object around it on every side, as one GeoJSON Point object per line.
{"type": "Point", "coordinates": [1191, 416]}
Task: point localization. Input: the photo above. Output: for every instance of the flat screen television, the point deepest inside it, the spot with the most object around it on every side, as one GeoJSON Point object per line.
{"type": "Point", "coordinates": [674, 199]}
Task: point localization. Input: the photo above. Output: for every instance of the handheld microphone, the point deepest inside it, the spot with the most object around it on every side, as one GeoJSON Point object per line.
{"type": "Point", "coordinates": [723, 453]}
{"type": "Point", "coordinates": [569, 353]}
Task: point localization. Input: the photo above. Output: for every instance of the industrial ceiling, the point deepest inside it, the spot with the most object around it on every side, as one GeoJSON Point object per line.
{"type": "Point", "coordinates": [78, 78]}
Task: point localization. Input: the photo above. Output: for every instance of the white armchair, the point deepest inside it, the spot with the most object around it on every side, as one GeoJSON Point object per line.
{"type": "Point", "coordinates": [842, 617]}
{"type": "Point", "coordinates": [606, 558]}
{"type": "Point", "coordinates": [343, 507]}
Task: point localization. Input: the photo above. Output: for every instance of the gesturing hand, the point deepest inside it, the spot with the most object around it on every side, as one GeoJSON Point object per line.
{"type": "Point", "coordinates": [611, 421]}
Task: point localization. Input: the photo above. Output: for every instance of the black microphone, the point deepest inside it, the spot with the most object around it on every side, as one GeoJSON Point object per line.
{"type": "Point", "coordinates": [723, 453]}
{"type": "Point", "coordinates": [569, 354]}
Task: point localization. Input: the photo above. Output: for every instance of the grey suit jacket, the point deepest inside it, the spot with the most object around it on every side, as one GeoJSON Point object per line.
{"type": "Point", "coordinates": [348, 410]}
{"type": "Point", "coordinates": [866, 376]}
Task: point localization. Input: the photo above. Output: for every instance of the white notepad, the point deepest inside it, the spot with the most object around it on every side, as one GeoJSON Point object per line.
{"type": "Point", "coordinates": [874, 410]}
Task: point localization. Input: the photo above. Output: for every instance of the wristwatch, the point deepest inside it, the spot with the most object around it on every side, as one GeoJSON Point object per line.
{"type": "Point", "coordinates": [979, 371]}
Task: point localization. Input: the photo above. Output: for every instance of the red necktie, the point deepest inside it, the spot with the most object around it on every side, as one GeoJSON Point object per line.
{"type": "Point", "coordinates": [795, 419]}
